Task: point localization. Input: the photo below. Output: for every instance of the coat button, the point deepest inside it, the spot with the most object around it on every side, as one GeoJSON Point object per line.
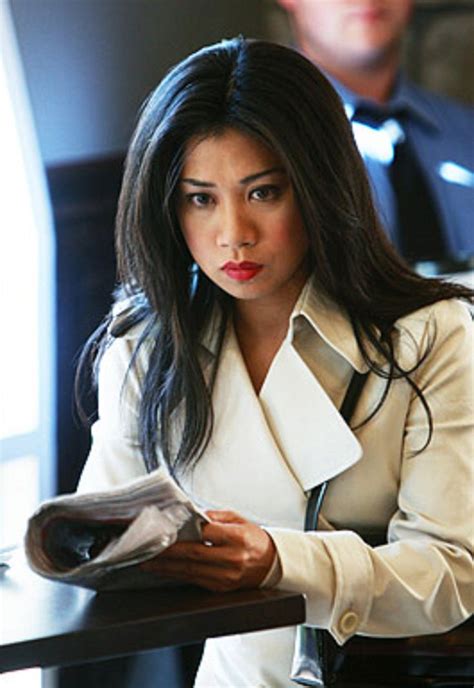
{"type": "Point", "coordinates": [348, 622]}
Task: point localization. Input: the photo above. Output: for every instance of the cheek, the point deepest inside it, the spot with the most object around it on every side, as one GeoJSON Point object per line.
{"type": "Point", "coordinates": [404, 9]}
{"type": "Point", "coordinates": [190, 233]}
{"type": "Point", "coordinates": [290, 237]}
{"type": "Point", "coordinates": [322, 15]}
{"type": "Point", "coordinates": [401, 11]}
{"type": "Point", "coordinates": [198, 245]}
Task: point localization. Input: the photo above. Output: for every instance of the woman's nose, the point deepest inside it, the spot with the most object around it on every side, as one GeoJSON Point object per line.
{"type": "Point", "coordinates": [236, 228]}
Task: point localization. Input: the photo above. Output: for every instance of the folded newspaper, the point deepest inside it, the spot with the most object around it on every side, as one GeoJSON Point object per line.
{"type": "Point", "coordinates": [96, 539]}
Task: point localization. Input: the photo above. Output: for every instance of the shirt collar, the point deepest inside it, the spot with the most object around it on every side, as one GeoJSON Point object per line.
{"type": "Point", "coordinates": [405, 97]}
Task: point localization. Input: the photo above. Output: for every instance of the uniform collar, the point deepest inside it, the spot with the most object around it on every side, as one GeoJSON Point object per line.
{"type": "Point", "coordinates": [406, 97]}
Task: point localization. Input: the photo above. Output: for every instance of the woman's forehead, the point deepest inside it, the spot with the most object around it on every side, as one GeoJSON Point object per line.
{"type": "Point", "coordinates": [229, 148]}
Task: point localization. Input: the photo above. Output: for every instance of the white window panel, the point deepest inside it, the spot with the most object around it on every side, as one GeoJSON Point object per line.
{"type": "Point", "coordinates": [19, 271]}
{"type": "Point", "coordinates": [19, 497]}
{"type": "Point", "coordinates": [29, 678]}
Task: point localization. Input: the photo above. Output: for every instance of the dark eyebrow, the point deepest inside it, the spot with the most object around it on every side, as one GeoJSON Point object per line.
{"type": "Point", "coordinates": [246, 180]}
{"type": "Point", "coordinates": [257, 175]}
{"type": "Point", "coordinates": [196, 182]}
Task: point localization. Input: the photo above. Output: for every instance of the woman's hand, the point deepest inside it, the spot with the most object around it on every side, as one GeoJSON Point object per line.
{"type": "Point", "coordinates": [235, 554]}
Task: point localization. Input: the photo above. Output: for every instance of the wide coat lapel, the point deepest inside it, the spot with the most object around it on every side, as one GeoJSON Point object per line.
{"type": "Point", "coordinates": [309, 430]}
{"type": "Point", "coordinates": [266, 452]}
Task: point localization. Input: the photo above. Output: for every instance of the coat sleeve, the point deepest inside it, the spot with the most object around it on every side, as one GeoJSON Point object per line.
{"type": "Point", "coordinates": [115, 456]}
{"type": "Point", "coordinates": [421, 581]}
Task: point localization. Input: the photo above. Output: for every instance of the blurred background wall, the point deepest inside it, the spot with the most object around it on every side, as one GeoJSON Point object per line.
{"type": "Point", "coordinates": [90, 63]}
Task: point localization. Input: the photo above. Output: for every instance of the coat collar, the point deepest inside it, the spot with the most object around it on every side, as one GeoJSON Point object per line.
{"type": "Point", "coordinates": [311, 434]}
{"type": "Point", "coordinates": [268, 442]}
{"type": "Point", "coordinates": [331, 323]}
{"type": "Point", "coordinates": [326, 318]}
{"type": "Point", "coordinates": [308, 440]}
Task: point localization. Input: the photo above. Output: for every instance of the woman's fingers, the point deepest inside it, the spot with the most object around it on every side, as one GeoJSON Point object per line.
{"type": "Point", "coordinates": [197, 551]}
{"type": "Point", "coordinates": [222, 516]}
{"type": "Point", "coordinates": [224, 533]}
{"type": "Point", "coordinates": [207, 575]}
{"type": "Point", "coordinates": [235, 554]}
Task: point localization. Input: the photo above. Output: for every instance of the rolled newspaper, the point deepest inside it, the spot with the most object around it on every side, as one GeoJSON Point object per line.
{"type": "Point", "coordinates": [96, 539]}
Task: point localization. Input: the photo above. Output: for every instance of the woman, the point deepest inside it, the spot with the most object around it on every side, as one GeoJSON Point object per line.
{"type": "Point", "coordinates": [255, 281]}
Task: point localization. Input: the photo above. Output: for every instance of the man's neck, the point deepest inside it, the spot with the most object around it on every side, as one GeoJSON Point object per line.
{"type": "Point", "coordinates": [374, 85]}
{"type": "Point", "coordinates": [374, 81]}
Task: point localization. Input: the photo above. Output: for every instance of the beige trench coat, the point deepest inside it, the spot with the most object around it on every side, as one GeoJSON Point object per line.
{"type": "Point", "coordinates": [268, 450]}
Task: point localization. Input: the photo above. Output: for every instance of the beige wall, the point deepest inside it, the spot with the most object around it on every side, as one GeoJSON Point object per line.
{"type": "Point", "coordinates": [439, 51]}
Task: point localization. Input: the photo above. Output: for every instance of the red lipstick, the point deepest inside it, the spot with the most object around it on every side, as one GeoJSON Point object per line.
{"type": "Point", "coordinates": [241, 272]}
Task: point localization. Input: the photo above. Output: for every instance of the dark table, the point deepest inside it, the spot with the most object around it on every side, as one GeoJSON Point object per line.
{"type": "Point", "coordinates": [45, 624]}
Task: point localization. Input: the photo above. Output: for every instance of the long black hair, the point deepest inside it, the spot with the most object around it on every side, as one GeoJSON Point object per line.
{"type": "Point", "coordinates": [277, 96]}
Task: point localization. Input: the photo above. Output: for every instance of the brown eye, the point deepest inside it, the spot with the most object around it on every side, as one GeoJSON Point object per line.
{"type": "Point", "coordinates": [268, 192]}
{"type": "Point", "coordinates": [200, 200]}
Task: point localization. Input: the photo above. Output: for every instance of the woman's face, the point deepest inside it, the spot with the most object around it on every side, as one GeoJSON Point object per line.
{"type": "Point", "coordinates": [240, 219]}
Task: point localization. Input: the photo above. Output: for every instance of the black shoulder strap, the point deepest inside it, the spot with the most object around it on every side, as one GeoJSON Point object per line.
{"type": "Point", "coordinates": [353, 392]}
{"type": "Point", "coordinates": [348, 405]}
